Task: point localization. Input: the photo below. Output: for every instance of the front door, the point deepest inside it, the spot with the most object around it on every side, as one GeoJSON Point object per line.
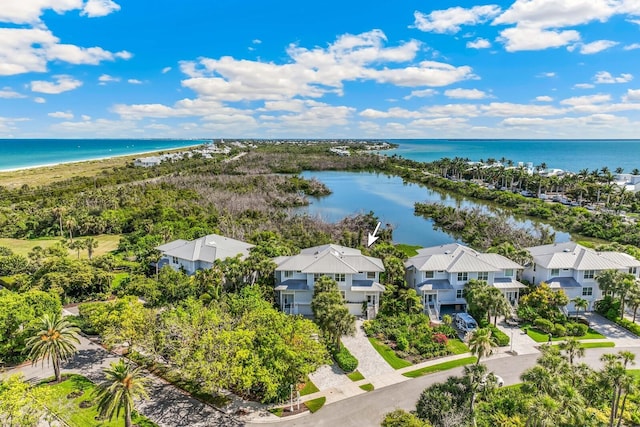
{"type": "Point", "coordinates": [287, 303]}
{"type": "Point", "coordinates": [372, 300]}
{"type": "Point", "coordinates": [429, 299]}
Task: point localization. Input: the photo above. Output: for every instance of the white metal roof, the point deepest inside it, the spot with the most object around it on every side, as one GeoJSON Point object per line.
{"type": "Point", "coordinates": [329, 259]}
{"type": "Point", "coordinates": [456, 258]}
{"type": "Point", "coordinates": [207, 248]}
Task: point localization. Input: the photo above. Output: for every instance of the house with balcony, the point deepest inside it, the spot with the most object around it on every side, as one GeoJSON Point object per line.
{"type": "Point", "coordinates": [200, 254]}
{"type": "Point", "coordinates": [439, 274]}
{"type": "Point", "coordinates": [357, 276]}
{"type": "Point", "coordinates": [574, 268]}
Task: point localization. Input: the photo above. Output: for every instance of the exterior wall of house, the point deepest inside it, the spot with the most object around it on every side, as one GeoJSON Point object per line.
{"type": "Point", "coordinates": [178, 263]}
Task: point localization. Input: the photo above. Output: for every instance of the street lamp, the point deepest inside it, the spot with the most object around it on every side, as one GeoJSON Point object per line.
{"type": "Point", "coordinates": [511, 351]}
{"type": "Point", "coordinates": [291, 398]}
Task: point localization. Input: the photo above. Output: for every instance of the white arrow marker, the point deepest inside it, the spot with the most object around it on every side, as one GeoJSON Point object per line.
{"type": "Point", "coordinates": [372, 237]}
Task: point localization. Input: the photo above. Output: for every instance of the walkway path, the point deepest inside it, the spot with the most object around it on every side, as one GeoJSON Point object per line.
{"type": "Point", "coordinates": [370, 363]}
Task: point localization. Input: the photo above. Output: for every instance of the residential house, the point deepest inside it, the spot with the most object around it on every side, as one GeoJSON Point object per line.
{"type": "Point", "coordinates": [357, 277]}
{"type": "Point", "coordinates": [574, 268]}
{"type": "Point", "coordinates": [439, 274]}
{"type": "Point", "coordinates": [199, 254]}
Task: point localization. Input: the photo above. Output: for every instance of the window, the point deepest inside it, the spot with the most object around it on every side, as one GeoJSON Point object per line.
{"type": "Point", "coordinates": [462, 277]}
{"type": "Point", "coordinates": [288, 274]}
{"type": "Point", "coordinates": [633, 270]}
{"type": "Point", "coordinates": [458, 293]}
{"type": "Point", "coordinates": [508, 272]}
{"type": "Point", "coordinates": [339, 277]}
{"type": "Point", "coordinates": [555, 271]}
{"type": "Point", "coordinates": [174, 260]}
{"type": "Point", "coordinates": [587, 292]}
{"type": "Point", "coordinates": [483, 275]}
{"type": "Point", "coordinates": [344, 295]}
{"type": "Point", "coordinates": [371, 274]}
{"type": "Point", "coordinates": [428, 275]}
{"type": "Point", "coordinates": [534, 266]}
{"type": "Point", "coordinates": [589, 274]}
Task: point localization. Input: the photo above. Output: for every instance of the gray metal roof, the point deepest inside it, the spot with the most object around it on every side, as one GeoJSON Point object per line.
{"type": "Point", "coordinates": [507, 283]}
{"type": "Point", "coordinates": [329, 259]}
{"type": "Point", "coordinates": [456, 258]}
{"type": "Point", "coordinates": [577, 257]}
{"type": "Point", "coordinates": [435, 285]}
{"type": "Point", "coordinates": [563, 282]}
{"type": "Point", "coordinates": [293, 285]}
{"type": "Point", "coordinates": [208, 248]}
{"type": "Point", "coordinates": [366, 285]}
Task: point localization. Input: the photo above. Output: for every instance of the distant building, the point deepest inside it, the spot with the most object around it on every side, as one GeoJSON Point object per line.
{"type": "Point", "coordinates": [147, 162]}
{"type": "Point", "coordinates": [199, 254]}
{"type": "Point", "coordinates": [628, 181]}
{"type": "Point", "coordinates": [574, 269]}
{"type": "Point", "coordinates": [357, 277]}
{"type": "Point", "coordinates": [439, 274]}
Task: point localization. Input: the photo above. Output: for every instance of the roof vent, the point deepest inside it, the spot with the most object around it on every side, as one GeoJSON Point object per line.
{"type": "Point", "coordinates": [566, 250]}
{"type": "Point", "coordinates": [447, 252]}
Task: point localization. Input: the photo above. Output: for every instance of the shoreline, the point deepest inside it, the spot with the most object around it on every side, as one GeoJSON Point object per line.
{"type": "Point", "coordinates": [97, 159]}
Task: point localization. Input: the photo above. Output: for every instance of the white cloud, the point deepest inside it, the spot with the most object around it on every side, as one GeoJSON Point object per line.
{"type": "Point", "coordinates": [594, 47]}
{"type": "Point", "coordinates": [586, 100]}
{"type": "Point", "coordinates": [134, 81]}
{"type": "Point", "coordinates": [315, 72]}
{"type": "Point", "coordinates": [557, 14]}
{"type": "Point", "coordinates": [544, 98]}
{"type": "Point", "coordinates": [165, 70]}
{"type": "Point", "coordinates": [507, 109]}
{"type": "Point", "coordinates": [422, 93]}
{"type": "Point", "coordinates": [24, 50]}
{"type": "Point", "coordinates": [29, 11]}
{"type": "Point", "coordinates": [633, 95]}
{"type": "Point", "coordinates": [39, 100]}
{"type": "Point", "coordinates": [583, 86]}
{"type": "Point", "coordinates": [85, 117]}
{"type": "Point", "coordinates": [450, 20]}
{"type": "Point", "coordinates": [604, 77]}
{"type": "Point", "coordinates": [533, 38]}
{"type": "Point", "coordinates": [97, 8]}
{"type": "Point", "coordinates": [256, 41]}
{"type": "Point", "coordinates": [63, 83]}
{"type": "Point", "coordinates": [106, 78]}
{"type": "Point", "coordinates": [8, 93]}
{"type": "Point", "coordinates": [61, 115]}
{"type": "Point", "coordinates": [479, 43]}
{"type": "Point", "coordinates": [632, 46]}
{"type": "Point", "coordinates": [466, 94]}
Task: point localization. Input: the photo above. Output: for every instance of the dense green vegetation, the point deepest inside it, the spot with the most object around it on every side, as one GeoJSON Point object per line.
{"type": "Point", "coordinates": [557, 391]}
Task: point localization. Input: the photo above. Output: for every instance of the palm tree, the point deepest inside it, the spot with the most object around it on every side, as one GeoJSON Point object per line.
{"type": "Point", "coordinates": [55, 341]}
{"type": "Point", "coordinates": [572, 349]}
{"type": "Point", "coordinates": [580, 303]}
{"type": "Point", "coordinates": [476, 376]}
{"type": "Point", "coordinates": [480, 343]}
{"type": "Point", "coordinates": [123, 384]}
{"type": "Point", "coordinates": [633, 299]}
{"type": "Point", "coordinates": [90, 244]}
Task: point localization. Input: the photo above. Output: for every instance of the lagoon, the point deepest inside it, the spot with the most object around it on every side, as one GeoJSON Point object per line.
{"type": "Point", "coordinates": [392, 201]}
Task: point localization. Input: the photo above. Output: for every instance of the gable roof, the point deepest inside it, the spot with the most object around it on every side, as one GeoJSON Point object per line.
{"type": "Point", "coordinates": [329, 259]}
{"type": "Point", "coordinates": [456, 258]}
{"type": "Point", "coordinates": [207, 248]}
{"type": "Point", "coordinates": [571, 255]}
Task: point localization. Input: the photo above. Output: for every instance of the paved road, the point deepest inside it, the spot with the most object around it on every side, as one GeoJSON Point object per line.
{"type": "Point", "coordinates": [168, 406]}
{"type": "Point", "coordinates": [368, 409]}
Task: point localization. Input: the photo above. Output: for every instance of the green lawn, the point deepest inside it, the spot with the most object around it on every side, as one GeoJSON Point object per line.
{"type": "Point", "coordinates": [355, 376]}
{"type": "Point", "coordinates": [309, 388]}
{"type": "Point", "coordinates": [388, 354]}
{"type": "Point", "coordinates": [70, 411]}
{"type": "Point", "coordinates": [539, 336]}
{"type": "Point", "coordinates": [440, 367]}
{"type": "Point", "coordinates": [409, 250]}
{"type": "Point", "coordinates": [456, 346]}
{"type": "Point", "coordinates": [600, 344]}
{"type": "Point", "coordinates": [315, 404]}
{"type": "Point", "coordinates": [106, 243]}
{"type": "Point", "coordinates": [367, 387]}
{"type": "Point", "coordinates": [634, 372]}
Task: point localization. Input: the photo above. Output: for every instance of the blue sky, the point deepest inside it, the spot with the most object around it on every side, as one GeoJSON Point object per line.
{"type": "Point", "coordinates": [347, 69]}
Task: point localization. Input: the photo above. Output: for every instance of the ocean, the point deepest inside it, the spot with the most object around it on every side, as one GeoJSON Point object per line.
{"type": "Point", "coordinates": [571, 155]}
{"type": "Point", "coordinates": [27, 153]}
{"type": "Point", "coordinates": [568, 155]}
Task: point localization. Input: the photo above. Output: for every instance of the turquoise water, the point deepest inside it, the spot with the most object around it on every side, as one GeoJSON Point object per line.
{"type": "Point", "coordinates": [571, 155]}
{"type": "Point", "coordinates": [392, 201]}
{"type": "Point", "coordinates": [24, 153]}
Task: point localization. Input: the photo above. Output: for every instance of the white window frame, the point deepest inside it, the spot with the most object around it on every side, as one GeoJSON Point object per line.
{"type": "Point", "coordinates": [344, 295]}
{"type": "Point", "coordinates": [483, 275]}
{"type": "Point", "coordinates": [555, 272]}
{"type": "Point", "coordinates": [463, 276]}
{"type": "Point", "coordinates": [459, 294]}
{"type": "Point", "coordinates": [371, 275]}
{"type": "Point", "coordinates": [174, 260]}
{"type": "Point", "coordinates": [589, 274]}
{"type": "Point", "coordinates": [430, 274]}
{"type": "Point", "coordinates": [587, 291]}
{"type": "Point", "coordinates": [508, 272]}
{"type": "Point", "coordinates": [340, 277]}
{"type": "Point", "coordinates": [287, 274]}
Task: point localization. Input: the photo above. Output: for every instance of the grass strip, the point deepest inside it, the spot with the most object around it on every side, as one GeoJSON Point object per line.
{"type": "Point", "coordinates": [367, 387]}
{"type": "Point", "coordinates": [309, 388]}
{"type": "Point", "coordinates": [538, 336]}
{"type": "Point", "coordinates": [599, 344]}
{"type": "Point", "coordinates": [315, 404]}
{"type": "Point", "coordinates": [440, 367]}
{"type": "Point", "coordinates": [456, 346]}
{"type": "Point", "coordinates": [355, 376]}
{"type": "Point", "coordinates": [388, 354]}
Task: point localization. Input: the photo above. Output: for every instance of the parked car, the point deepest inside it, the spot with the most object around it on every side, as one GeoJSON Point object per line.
{"type": "Point", "coordinates": [465, 322]}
